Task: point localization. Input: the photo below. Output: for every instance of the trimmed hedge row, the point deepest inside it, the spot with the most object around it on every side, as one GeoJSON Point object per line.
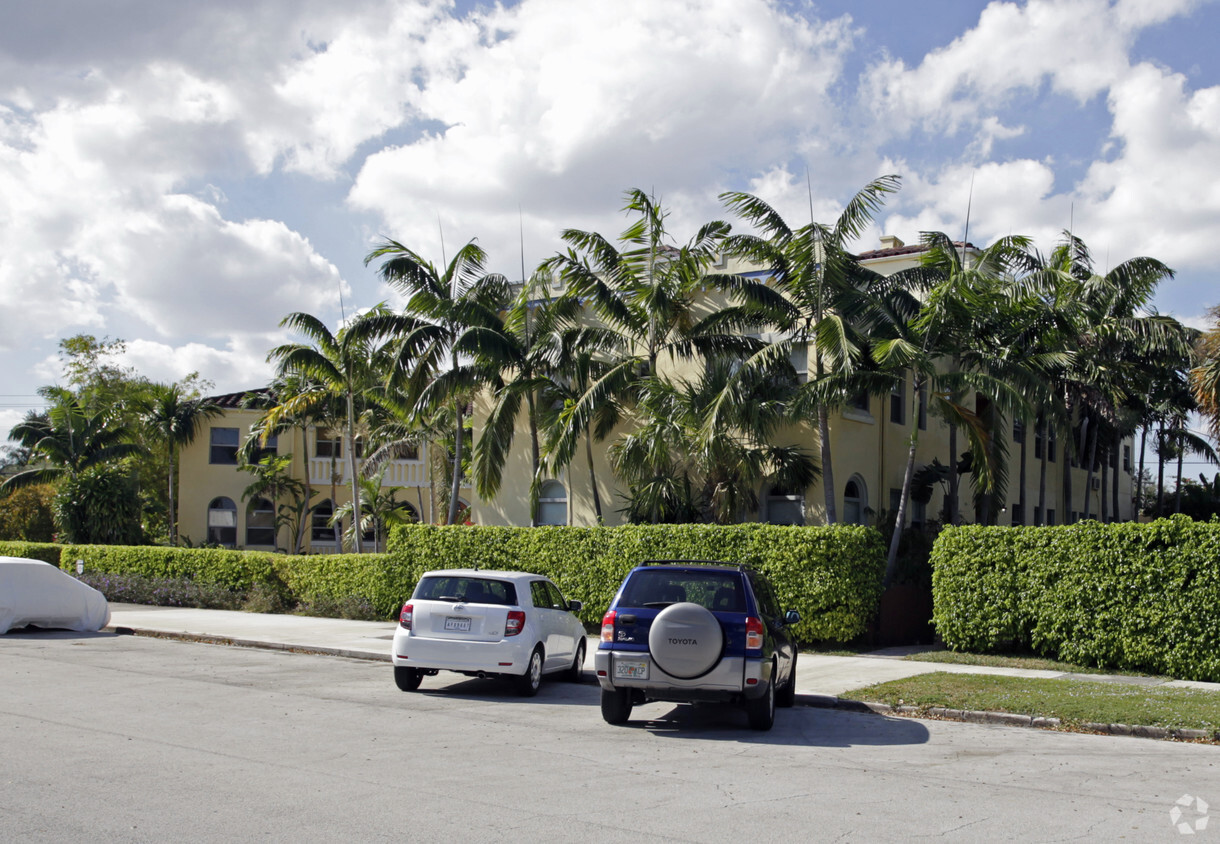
{"type": "Point", "coordinates": [48, 552]}
{"type": "Point", "coordinates": [831, 575]}
{"type": "Point", "coordinates": [1132, 596]}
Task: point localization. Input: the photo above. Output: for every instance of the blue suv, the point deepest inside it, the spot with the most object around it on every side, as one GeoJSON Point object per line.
{"type": "Point", "coordinates": [696, 630]}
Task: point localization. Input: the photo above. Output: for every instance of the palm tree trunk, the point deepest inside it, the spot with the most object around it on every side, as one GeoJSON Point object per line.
{"type": "Point", "coordinates": [455, 489]}
{"type": "Point", "coordinates": [1118, 450]}
{"type": "Point", "coordinates": [953, 476]}
{"type": "Point", "coordinates": [828, 477]}
{"type": "Point", "coordinates": [173, 514]}
{"type": "Point", "coordinates": [597, 501]}
{"type": "Point", "coordinates": [1105, 486]}
{"type": "Point", "coordinates": [1022, 473]}
{"type": "Point", "coordinates": [305, 511]}
{"type": "Point", "coordinates": [1160, 474]}
{"type": "Point", "coordinates": [1177, 498]}
{"type": "Point", "coordinates": [1041, 520]}
{"type": "Point", "coordinates": [534, 459]}
{"type": "Point", "coordinates": [891, 563]}
{"type": "Point", "coordinates": [357, 537]}
{"type": "Point", "coordinates": [1091, 441]}
{"type": "Point", "coordinates": [1139, 478]}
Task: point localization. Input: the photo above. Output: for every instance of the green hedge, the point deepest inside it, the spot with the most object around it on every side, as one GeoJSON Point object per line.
{"type": "Point", "coordinates": [1132, 596]}
{"type": "Point", "coordinates": [235, 570]}
{"type": "Point", "coordinates": [831, 575]}
{"type": "Point", "coordinates": [48, 552]}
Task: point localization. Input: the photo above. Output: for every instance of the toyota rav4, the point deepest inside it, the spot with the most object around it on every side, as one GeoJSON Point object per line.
{"type": "Point", "coordinates": [694, 630]}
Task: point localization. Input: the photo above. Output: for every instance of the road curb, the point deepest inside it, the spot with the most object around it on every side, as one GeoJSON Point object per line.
{"type": "Point", "coordinates": [209, 639]}
{"type": "Point", "coordinates": [1007, 719]}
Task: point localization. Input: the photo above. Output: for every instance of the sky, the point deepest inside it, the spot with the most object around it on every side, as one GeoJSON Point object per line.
{"type": "Point", "coordinates": [181, 176]}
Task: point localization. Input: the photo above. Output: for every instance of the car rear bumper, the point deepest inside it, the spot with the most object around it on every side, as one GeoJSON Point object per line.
{"type": "Point", "coordinates": [732, 678]}
{"type": "Point", "coordinates": [502, 657]}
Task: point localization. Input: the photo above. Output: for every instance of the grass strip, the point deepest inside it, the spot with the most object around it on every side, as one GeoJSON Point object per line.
{"type": "Point", "coordinates": [1073, 701]}
{"type": "Point", "coordinates": [1010, 661]}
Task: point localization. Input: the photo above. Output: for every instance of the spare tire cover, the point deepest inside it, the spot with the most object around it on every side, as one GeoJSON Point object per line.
{"type": "Point", "coordinates": [685, 640]}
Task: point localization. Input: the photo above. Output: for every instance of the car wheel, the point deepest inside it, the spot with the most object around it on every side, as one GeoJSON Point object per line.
{"type": "Point", "coordinates": [616, 706]}
{"type": "Point", "coordinates": [407, 679]}
{"type": "Point", "coordinates": [761, 712]}
{"type": "Point", "coordinates": [528, 683]}
{"type": "Point", "coordinates": [787, 695]}
{"type": "Point", "coordinates": [576, 672]}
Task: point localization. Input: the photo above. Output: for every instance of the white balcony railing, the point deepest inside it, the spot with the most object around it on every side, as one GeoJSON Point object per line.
{"type": "Point", "coordinates": [398, 473]}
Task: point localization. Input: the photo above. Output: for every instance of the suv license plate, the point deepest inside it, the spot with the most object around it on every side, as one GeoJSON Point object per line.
{"type": "Point", "coordinates": [457, 623]}
{"type": "Point", "coordinates": [631, 669]}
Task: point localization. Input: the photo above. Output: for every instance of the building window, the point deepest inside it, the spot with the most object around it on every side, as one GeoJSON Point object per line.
{"type": "Point", "coordinates": [799, 356]}
{"type": "Point", "coordinates": [859, 402]}
{"type": "Point", "coordinates": [319, 523]}
{"type": "Point", "coordinates": [1018, 430]}
{"type": "Point", "coordinates": [1127, 459]}
{"type": "Point", "coordinates": [919, 513]}
{"type": "Point", "coordinates": [223, 451]}
{"type": "Point", "coordinates": [785, 506]}
{"type": "Point", "coordinates": [923, 405]}
{"type": "Point", "coordinates": [855, 501]}
{"type": "Point", "coordinates": [898, 405]}
{"type": "Point", "coordinates": [1050, 516]}
{"type": "Point", "coordinates": [1037, 515]}
{"type": "Point", "coordinates": [268, 449]}
{"type": "Point", "coordinates": [552, 504]}
{"type": "Point", "coordinates": [1018, 515]}
{"type": "Point", "coordinates": [1039, 437]}
{"type": "Point", "coordinates": [895, 501]}
{"type": "Point", "coordinates": [260, 522]}
{"type": "Point", "coordinates": [328, 444]}
{"type": "Point", "coordinates": [1051, 440]}
{"type": "Point", "coordinates": [222, 521]}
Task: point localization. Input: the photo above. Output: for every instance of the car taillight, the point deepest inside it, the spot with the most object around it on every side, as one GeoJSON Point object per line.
{"type": "Point", "coordinates": [754, 634]}
{"type": "Point", "coordinates": [404, 617]}
{"type": "Point", "coordinates": [515, 623]}
{"type": "Point", "coordinates": [608, 626]}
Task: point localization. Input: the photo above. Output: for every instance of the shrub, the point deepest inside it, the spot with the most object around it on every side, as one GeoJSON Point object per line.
{"type": "Point", "coordinates": [100, 505]}
{"type": "Point", "coordinates": [831, 575]}
{"type": "Point", "coordinates": [25, 514]}
{"type": "Point", "coordinates": [162, 591]}
{"type": "Point", "coordinates": [1132, 596]}
{"type": "Point", "coordinates": [45, 551]}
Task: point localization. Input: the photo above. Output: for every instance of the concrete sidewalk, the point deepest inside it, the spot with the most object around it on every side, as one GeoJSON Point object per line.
{"type": "Point", "coordinates": [818, 674]}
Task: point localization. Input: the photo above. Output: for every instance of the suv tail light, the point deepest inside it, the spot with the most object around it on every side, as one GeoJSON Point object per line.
{"type": "Point", "coordinates": [404, 617]}
{"type": "Point", "coordinates": [754, 634]}
{"type": "Point", "coordinates": [515, 623]}
{"type": "Point", "coordinates": [608, 626]}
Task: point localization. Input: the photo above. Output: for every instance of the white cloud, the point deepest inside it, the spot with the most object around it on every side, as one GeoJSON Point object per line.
{"type": "Point", "coordinates": [559, 113]}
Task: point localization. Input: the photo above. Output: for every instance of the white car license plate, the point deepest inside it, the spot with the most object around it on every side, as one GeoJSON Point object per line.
{"type": "Point", "coordinates": [631, 669]}
{"type": "Point", "coordinates": [458, 624]}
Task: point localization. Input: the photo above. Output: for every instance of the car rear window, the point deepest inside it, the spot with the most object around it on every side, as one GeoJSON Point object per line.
{"type": "Point", "coordinates": [469, 590]}
{"type": "Point", "coordinates": [719, 591]}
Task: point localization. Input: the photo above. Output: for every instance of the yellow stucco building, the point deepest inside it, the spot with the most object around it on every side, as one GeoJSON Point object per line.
{"type": "Point", "coordinates": [868, 442]}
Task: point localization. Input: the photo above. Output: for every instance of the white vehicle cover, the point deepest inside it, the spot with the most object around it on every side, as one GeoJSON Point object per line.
{"type": "Point", "coordinates": [34, 593]}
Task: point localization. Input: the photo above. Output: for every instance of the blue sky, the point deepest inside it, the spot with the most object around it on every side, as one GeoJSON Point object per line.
{"type": "Point", "coordinates": [181, 176]}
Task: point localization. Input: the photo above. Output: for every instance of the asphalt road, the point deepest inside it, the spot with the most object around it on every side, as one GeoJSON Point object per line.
{"type": "Point", "coordinates": [117, 738]}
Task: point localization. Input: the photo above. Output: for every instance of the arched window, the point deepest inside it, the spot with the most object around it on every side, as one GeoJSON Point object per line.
{"type": "Point", "coordinates": [320, 529]}
{"type": "Point", "coordinates": [222, 522]}
{"type": "Point", "coordinates": [855, 501]}
{"type": "Point", "coordinates": [260, 522]}
{"type": "Point", "coordinates": [552, 504]}
{"type": "Point", "coordinates": [785, 506]}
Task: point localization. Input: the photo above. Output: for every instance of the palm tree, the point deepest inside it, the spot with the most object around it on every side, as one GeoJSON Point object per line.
{"type": "Point", "coordinates": [649, 291]}
{"type": "Point", "coordinates": [917, 331]}
{"type": "Point", "coordinates": [273, 481]}
{"type": "Point", "coordinates": [816, 282]}
{"type": "Point", "coordinates": [522, 354]}
{"type": "Point", "coordinates": [67, 439]}
{"type": "Point", "coordinates": [175, 419]}
{"type": "Point", "coordinates": [437, 352]}
{"type": "Point", "coordinates": [380, 508]}
{"type": "Point", "coordinates": [343, 365]}
{"type": "Point", "coordinates": [1205, 377]}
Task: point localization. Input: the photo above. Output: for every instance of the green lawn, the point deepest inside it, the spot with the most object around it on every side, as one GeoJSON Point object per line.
{"type": "Point", "coordinates": [1073, 701]}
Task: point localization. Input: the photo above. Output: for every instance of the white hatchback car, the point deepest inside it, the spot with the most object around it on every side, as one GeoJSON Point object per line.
{"type": "Point", "coordinates": [488, 623]}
